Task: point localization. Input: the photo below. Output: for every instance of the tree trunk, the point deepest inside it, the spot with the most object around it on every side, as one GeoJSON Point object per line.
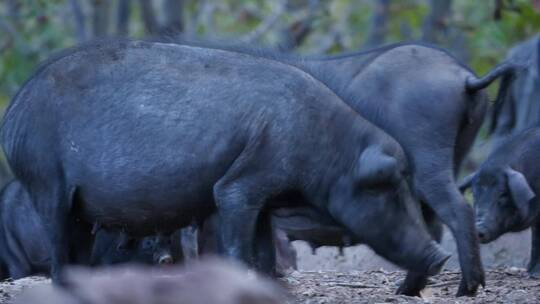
{"type": "Point", "coordinates": [122, 23]}
{"type": "Point", "coordinates": [78, 18]}
{"type": "Point", "coordinates": [149, 18]}
{"type": "Point", "coordinates": [100, 18]}
{"type": "Point", "coordinates": [173, 10]}
{"type": "Point", "coordinates": [295, 34]}
{"type": "Point", "coordinates": [435, 27]}
{"type": "Point", "coordinates": [378, 27]}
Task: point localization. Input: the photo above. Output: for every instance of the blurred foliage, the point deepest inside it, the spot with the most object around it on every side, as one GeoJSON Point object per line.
{"type": "Point", "coordinates": [30, 30]}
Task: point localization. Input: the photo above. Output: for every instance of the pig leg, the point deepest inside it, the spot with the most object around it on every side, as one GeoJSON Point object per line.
{"type": "Point", "coordinates": [467, 133]}
{"type": "Point", "coordinates": [207, 236]}
{"type": "Point", "coordinates": [534, 263]}
{"type": "Point", "coordinates": [18, 270]}
{"type": "Point", "coordinates": [241, 194]}
{"type": "Point", "coordinates": [285, 253]}
{"type": "Point", "coordinates": [436, 186]}
{"type": "Point", "coordinates": [414, 282]}
{"type": "Point", "coordinates": [239, 203]}
{"type": "Point", "coordinates": [264, 245]}
{"type": "Point", "coordinates": [15, 259]}
{"type": "Point", "coordinates": [58, 205]}
{"type": "Point", "coordinates": [189, 239]}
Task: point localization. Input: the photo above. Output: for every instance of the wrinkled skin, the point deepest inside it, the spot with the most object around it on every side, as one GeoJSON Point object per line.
{"type": "Point", "coordinates": [505, 192]}
{"type": "Point", "coordinates": [307, 224]}
{"type": "Point", "coordinates": [25, 249]}
{"type": "Point", "coordinates": [205, 130]}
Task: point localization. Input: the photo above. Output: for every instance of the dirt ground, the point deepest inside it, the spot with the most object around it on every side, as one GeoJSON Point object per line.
{"type": "Point", "coordinates": [504, 285]}
{"type": "Point", "coordinates": [359, 276]}
{"type": "Point", "coordinates": [9, 289]}
{"type": "Point", "coordinates": [510, 285]}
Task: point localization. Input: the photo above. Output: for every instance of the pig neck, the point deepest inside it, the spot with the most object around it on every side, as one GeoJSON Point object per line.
{"type": "Point", "coordinates": [347, 137]}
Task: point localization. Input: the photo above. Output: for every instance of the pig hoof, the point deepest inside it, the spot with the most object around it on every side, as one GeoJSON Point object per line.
{"type": "Point", "coordinates": [465, 292]}
{"type": "Point", "coordinates": [413, 284]}
{"type": "Point", "coordinates": [534, 274]}
{"type": "Point", "coordinates": [471, 280]}
{"type": "Point", "coordinates": [429, 281]}
{"type": "Point", "coordinates": [407, 290]}
{"type": "Point", "coordinates": [470, 289]}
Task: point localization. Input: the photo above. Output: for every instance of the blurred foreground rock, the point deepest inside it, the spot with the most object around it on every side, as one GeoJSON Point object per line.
{"type": "Point", "coordinates": [206, 282]}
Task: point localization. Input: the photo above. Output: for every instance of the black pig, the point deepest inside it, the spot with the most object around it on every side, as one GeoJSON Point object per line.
{"type": "Point", "coordinates": [25, 248]}
{"type": "Point", "coordinates": [433, 105]}
{"type": "Point", "coordinates": [505, 189]}
{"type": "Point", "coordinates": [146, 137]}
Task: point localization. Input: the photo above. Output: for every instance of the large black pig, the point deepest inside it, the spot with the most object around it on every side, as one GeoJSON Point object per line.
{"type": "Point", "coordinates": [505, 192]}
{"type": "Point", "coordinates": [146, 137]}
{"type": "Point", "coordinates": [434, 106]}
{"type": "Point", "coordinates": [25, 248]}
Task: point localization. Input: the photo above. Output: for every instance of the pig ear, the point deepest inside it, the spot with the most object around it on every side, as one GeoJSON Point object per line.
{"type": "Point", "coordinates": [466, 182]}
{"type": "Point", "coordinates": [520, 190]}
{"type": "Point", "coordinates": [375, 167]}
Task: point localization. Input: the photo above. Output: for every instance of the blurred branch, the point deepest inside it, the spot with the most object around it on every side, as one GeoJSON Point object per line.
{"type": "Point", "coordinates": [203, 16]}
{"type": "Point", "coordinates": [13, 36]}
{"type": "Point", "coordinates": [78, 17]}
{"type": "Point", "coordinates": [122, 21]}
{"type": "Point", "coordinates": [13, 8]}
{"type": "Point", "coordinates": [378, 25]}
{"type": "Point", "coordinates": [501, 5]}
{"type": "Point", "coordinates": [100, 17]}
{"type": "Point", "coordinates": [497, 12]}
{"type": "Point", "coordinates": [206, 16]}
{"type": "Point", "coordinates": [295, 34]}
{"type": "Point", "coordinates": [436, 23]}
{"type": "Point", "coordinates": [149, 19]}
{"type": "Point", "coordinates": [6, 45]}
{"type": "Point", "coordinates": [330, 40]}
{"type": "Point", "coordinates": [405, 30]}
{"type": "Point", "coordinates": [536, 5]}
{"type": "Point", "coordinates": [267, 23]}
{"type": "Point", "coordinates": [173, 11]}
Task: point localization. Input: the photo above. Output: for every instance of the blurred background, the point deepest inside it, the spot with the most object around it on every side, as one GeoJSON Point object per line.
{"type": "Point", "coordinates": [480, 33]}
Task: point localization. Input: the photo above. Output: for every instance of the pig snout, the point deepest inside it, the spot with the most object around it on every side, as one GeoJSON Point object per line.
{"type": "Point", "coordinates": [482, 232]}
{"type": "Point", "coordinates": [165, 259]}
